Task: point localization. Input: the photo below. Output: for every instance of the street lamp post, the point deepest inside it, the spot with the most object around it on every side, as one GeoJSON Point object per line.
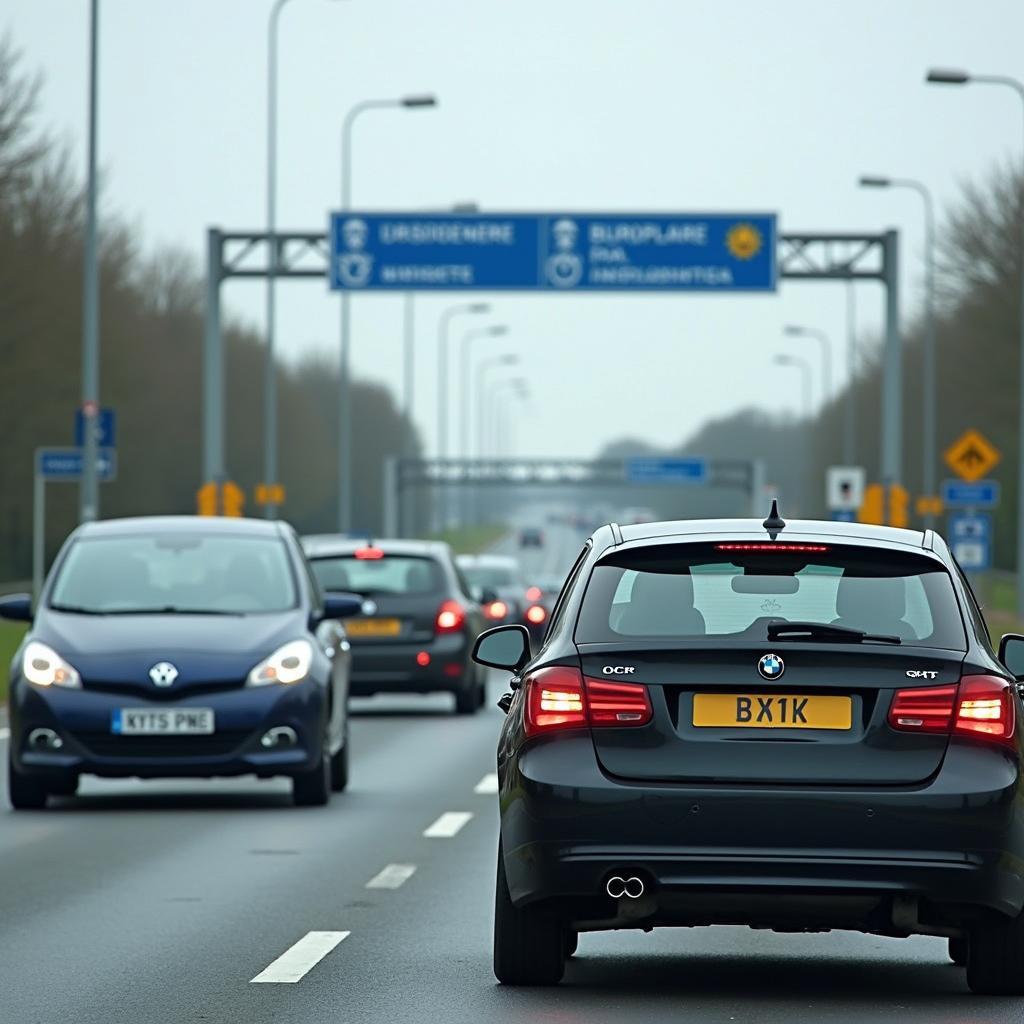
{"type": "Point", "coordinates": [801, 364]}
{"type": "Point", "coordinates": [800, 331]}
{"type": "Point", "coordinates": [492, 406]}
{"type": "Point", "coordinates": [493, 331]}
{"type": "Point", "coordinates": [939, 76]}
{"type": "Point", "coordinates": [929, 383]}
{"type": "Point", "coordinates": [442, 367]}
{"type": "Point", "coordinates": [482, 369]}
{"type": "Point", "coordinates": [344, 375]}
{"type": "Point", "coordinates": [89, 493]}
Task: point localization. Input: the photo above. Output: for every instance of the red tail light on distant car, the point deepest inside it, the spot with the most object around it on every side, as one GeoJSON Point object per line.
{"type": "Point", "coordinates": [451, 617]}
{"type": "Point", "coordinates": [534, 593]}
{"type": "Point", "coordinates": [536, 614]}
{"type": "Point", "coordinates": [561, 698]}
{"type": "Point", "coordinates": [979, 706]}
{"type": "Point", "coordinates": [496, 610]}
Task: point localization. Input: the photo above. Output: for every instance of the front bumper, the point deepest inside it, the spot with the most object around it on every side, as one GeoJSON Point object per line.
{"type": "Point", "coordinates": [82, 719]}
{"type": "Point", "coordinates": [769, 856]}
{"type": "Point", "coordinates": [381, 667]}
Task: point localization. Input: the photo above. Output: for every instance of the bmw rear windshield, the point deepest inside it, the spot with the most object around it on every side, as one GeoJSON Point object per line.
{"type": "Point", "coordinates": [735, 591]}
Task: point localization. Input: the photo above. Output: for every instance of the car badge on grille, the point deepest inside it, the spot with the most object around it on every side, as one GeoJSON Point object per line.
{"type": "Point", "coordinates": [771, 666]}
{"type": "Point", "coordinates": [369, 607]}
{"type": "Point", "coordinates": [163, 673]}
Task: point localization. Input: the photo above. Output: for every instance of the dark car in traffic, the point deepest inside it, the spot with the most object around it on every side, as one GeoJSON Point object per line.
{"type": "Point", "coordinates": [418, 622]}
{"type": "Point", "coordinates": [497, 584]}
{"type": "Point", "coordinates": [179, 646]}
{"type": "Point", "coordinates": [800, 727]}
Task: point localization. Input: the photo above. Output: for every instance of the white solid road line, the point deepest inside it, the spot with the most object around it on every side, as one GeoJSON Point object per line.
{"type": "Point", "coordinates": [297, 961]}
{"type": "Point", "coordinates": [392, 876]}
{"type": "Point", "coordinates": [488, 784]}
{"type": "Point", "coordinates": [448, 824]}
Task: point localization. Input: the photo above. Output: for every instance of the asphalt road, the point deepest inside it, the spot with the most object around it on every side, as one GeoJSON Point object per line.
{"type": "Point", "coordinates": [159, 903]}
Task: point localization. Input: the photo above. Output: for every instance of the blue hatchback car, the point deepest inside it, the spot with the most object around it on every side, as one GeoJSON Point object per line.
{"type": "Point", "coordinates": [179, 647]}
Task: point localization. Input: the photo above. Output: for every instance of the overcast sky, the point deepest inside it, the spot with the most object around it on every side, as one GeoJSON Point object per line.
{"type": "Point", "coordinates": [580, 104]}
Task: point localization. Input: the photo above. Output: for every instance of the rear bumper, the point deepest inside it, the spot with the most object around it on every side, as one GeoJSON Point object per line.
{"type": "Point", "coordinates": [82, 719]}
{"type": "Point", "coordinates": [771, 856]}
{"type": "Point", "coordinates": [379, 667]}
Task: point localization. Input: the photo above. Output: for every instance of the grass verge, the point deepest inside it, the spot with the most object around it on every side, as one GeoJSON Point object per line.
{"type": "Point", "coordinates": [469, 540]}
{"type": "Point", "coordinates": [10, 636]}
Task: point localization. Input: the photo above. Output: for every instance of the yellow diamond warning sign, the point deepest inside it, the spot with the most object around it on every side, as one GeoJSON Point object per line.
{"type": "Point", "coordinates": [971, 456]}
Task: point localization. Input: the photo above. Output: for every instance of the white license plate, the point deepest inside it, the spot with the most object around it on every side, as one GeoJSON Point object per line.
{"type": "Point", "coordinates": [160, 722]}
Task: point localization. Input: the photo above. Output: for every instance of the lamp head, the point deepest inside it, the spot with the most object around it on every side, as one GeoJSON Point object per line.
{"type": "Point", "coordinates": [421, 100]}
{"type": "Point", "coordinates": [873, 181]}
{"type": "Point", "coordinates": [947, 76]}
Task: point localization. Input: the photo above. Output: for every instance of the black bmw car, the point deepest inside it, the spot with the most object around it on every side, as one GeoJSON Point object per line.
{"type": "Point", "coordinates": [799, 727]}
{"type": "Point", "coordinates": [179, 646]}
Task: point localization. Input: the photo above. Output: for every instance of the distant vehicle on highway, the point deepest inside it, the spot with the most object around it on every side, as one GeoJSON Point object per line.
{"type": "Point", "coordinates": [179, 646]}
{"type": "Point", "coordinates": [497, 585]}
{"type": "Point", "coordinates": [531, 537]}
{"type": "Point", "coordinates": [419, 618]}
{"type": "Point", "coordinates": [540, 598]}
{"type": "Point", "coordinates": [799, 727]}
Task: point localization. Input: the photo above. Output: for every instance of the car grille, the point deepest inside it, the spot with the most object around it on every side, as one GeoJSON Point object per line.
{"type": "Point", "coordinates": [104, 744]}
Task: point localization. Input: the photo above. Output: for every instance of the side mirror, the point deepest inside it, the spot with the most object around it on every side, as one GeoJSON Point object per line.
{"type": "Point", "coordinates": [340, 606]}
{"type": "Point", "coordinates": [1011, 654]}
{"type": "Point", "coordinates": [503, 647]}
{"type": "Point", "coordinates": [17, 607]}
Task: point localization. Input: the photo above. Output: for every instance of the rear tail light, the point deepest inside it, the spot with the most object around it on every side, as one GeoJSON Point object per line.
{"type": "Point", "coordinates": [534, 593]}
{"type": "Point", "coordinates": [496, 610]}
{"type": "Point", "coordinates": [979, 706]}
{"type": "Point", "coordinates": [451, 617]}
{"type": "Point", "coordinates": [536, 614]}
{"type": "Point", "coordinates": [369, 553]}
{"type": "Point", "coordinates": [560, 698]}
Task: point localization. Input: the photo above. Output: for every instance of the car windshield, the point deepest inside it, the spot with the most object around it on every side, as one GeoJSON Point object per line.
{"type": "Point", "coordinates": [390, 574]}
{"type": "Point", "coordinates": [692, 591]}
{"type": "Point", "coordinates": [490, 575]}
{"type": "Point", "coordinates": [175, 572]}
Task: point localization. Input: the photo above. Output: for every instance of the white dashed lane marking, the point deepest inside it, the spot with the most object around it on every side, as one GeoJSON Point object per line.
{"type": "Point", "coordinates": [488, 784]}
{"type": "Point", "coordinates": [392, 876]}
{"type": "Point", "coordinates": [5, 733]}
{"type": "Point", "coordinates": [298, 960]}
{"type": "Point", "coordinates": [448, 825]}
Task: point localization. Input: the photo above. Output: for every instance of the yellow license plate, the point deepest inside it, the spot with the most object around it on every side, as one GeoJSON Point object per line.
{"type": "Point", "coordinates": [373, 627]}
{"type": "Point", "coordinates": [771, 711]}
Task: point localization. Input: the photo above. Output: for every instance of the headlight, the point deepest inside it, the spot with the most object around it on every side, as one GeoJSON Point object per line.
{"type": "Point", "coordinates": [288, 664]}
{"type": "Point", "coordinates": [43, 666]}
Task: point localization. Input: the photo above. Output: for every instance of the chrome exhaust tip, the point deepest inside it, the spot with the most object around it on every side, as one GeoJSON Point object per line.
{"type": "Point", "coordinates": [44, 740]}
{"type": "Point", "coordinates": [279, 736]}
{"type": "Point", "coordinates": [617, 887]}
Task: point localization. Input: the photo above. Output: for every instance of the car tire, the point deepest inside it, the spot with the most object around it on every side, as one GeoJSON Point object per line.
{"type": "Point", "coordinates": [25, 792]}
{"type": "Point", "coordinates": [65, 786]}
{"type": "Point", "coordinates": [339, 768]}
{"type": "Point", "coordinates": [468, 698]}
{"type": "Point", "coordinates": [995, 957]}
{"type": "Point", "coordinates": [529, 946]}
{"type": "Point", "coordinates": [958, 951]}
{"type": "Point", "coordinates": [313, 788]}
{"type": "Point", "coordinates": [572, 942]}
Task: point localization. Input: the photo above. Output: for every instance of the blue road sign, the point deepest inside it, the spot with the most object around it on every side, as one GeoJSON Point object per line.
{"type": "Point", "coordinates": [961, 494]}
{"type": "Point", "coordinates": [666, 471]}
{"type": "Point", "coordinates": [106, 425]}
{"type": "Point", "coordinates": [844, 515]}
{"type": "Point", "coordinates": [970, 538]}
{"type": "Point", "coordinates": [66, 463]}
{"type": "Point", "coordinates": [561, 252]}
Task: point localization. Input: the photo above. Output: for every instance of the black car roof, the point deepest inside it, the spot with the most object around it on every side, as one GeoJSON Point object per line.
{"type": "Point", "coordinates": [180, 524]}
{"type": "Point", "coordinates": [809, 530]}
{"type": "Point", "coordinates": [322, 545]}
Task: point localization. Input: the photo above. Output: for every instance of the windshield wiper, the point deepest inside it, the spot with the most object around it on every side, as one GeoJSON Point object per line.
{"type": "Point", "coordinates": [163, 610]}
{"type": "Point", "coordinates": [825, 631]}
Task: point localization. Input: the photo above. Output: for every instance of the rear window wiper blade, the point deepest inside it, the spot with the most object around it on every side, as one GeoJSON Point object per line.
{"type": "Point", "coordinates": [826, 631]}
{"type": "Point", "coordinates": [163, 610]}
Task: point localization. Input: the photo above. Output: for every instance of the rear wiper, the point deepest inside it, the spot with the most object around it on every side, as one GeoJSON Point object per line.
{"type": "Point", "coordinates": [164, 610]}
{"type": "Point", "coordinates": [824, 631]}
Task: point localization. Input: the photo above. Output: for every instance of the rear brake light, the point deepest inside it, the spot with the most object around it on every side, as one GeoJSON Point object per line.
{"type": "Point", "coordinates": [369, 554]}
{"type": "Point", "coordinates": [536, 614]}
{"type": "Point", "coordinates": [496, 610]}
{"type": "Point", "coordinates": [555, 700]}
{"type": "Point", "coordinates": [772, 547]}
{"type": "Point", "coordinates": [618, 703]}
{"type": "Point", "coordinates": [560, 698]}
{"type": "Point", "coordinates": [979, 706]}
{"type": "Point", "coordinates": [451, 617]}
{"type": "Point", "coordinates": [534, 593]}
{"type": "Point", "coordinates": [985, 709]}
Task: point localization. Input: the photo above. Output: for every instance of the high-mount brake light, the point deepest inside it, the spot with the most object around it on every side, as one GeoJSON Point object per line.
{"type": "Point", "coordinates": [451, 617]}
{"type": "Point", "coordinates": [369, 554]}
{"type": "Point", "coordinates": [534, 593]}
{"type": "Point", "coordinates": [536, 614]}
{"type": "Point", "coordinates": [775, 546]}
{"type": "Point", "coordinates": [980, 707]}
{"type": "Point", "coordinates": [561, 698]}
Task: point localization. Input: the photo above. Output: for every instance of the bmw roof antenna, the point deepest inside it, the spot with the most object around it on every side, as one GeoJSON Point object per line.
{"type": "Point", "coordinates": [774, 524]}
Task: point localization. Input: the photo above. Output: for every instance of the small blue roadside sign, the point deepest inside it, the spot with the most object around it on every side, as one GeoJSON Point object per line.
{"type": "Point", "coordinates": [560, 252]}
{"type": "Point", "coordinates": [666, 471]}
{"type": "Point", "coordinates": [55, 464]}
{"type": "Point", "coordinates": [106, 428]}
{"type": "Point", "coordinates": [961, 494]}
{"type": "Point", "coordinates": [970, 538]}
{"type": "Point", "coordinates": [844, 515]}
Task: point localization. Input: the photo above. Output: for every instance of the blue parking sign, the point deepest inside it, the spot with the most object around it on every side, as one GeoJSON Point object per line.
{"type": "Point", "coordinates": [970, 539]}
